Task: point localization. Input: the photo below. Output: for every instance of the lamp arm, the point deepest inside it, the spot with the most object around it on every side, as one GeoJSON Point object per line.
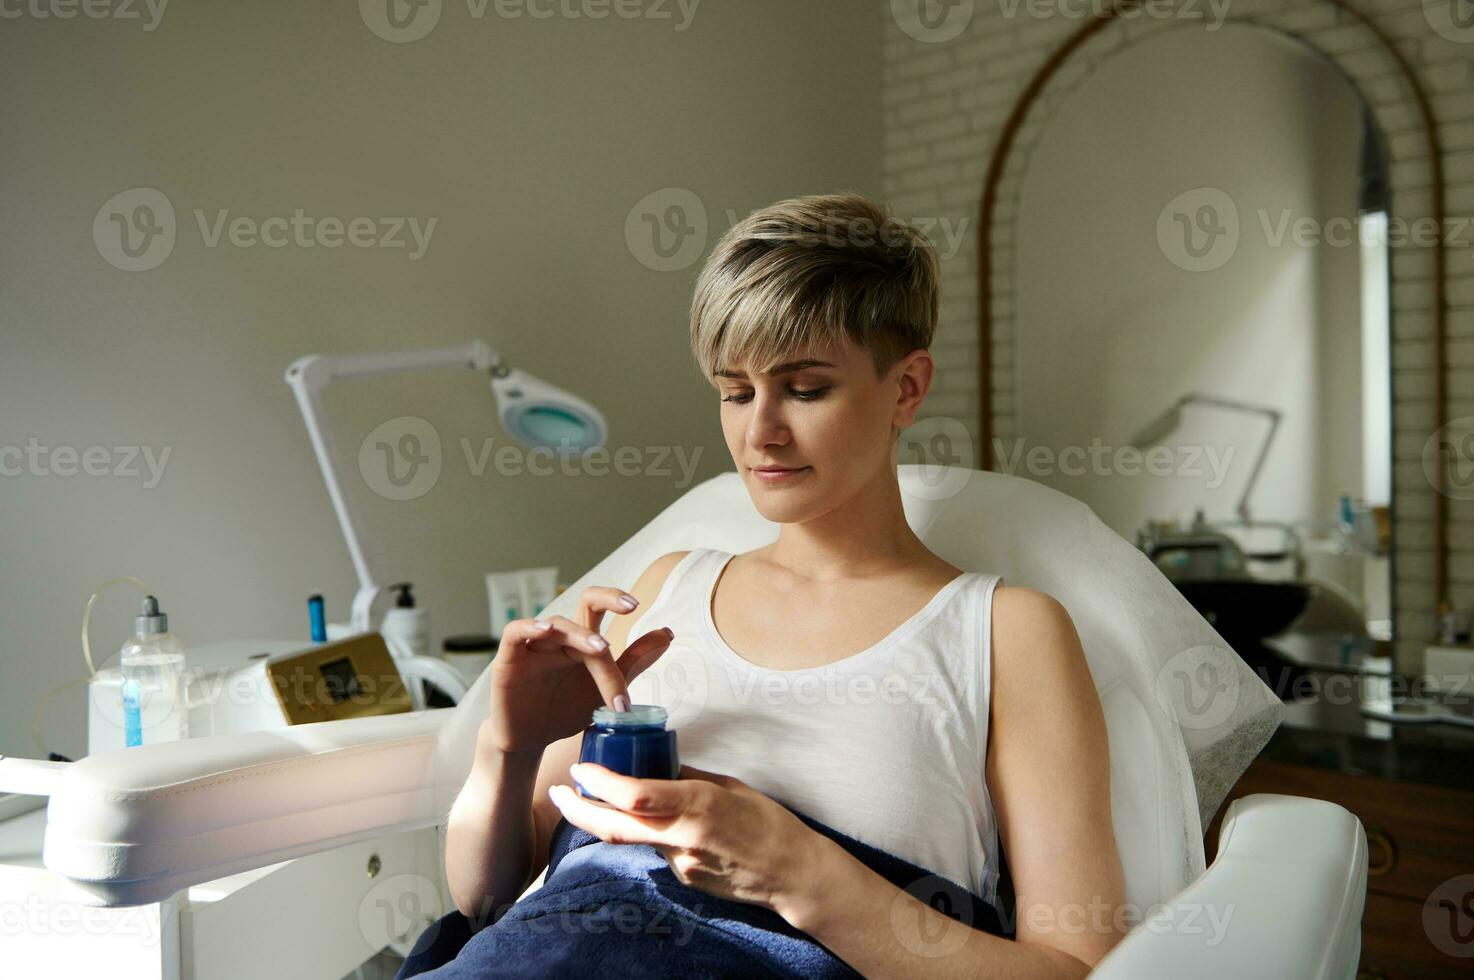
{"type": "Point", "coordinates": [1274, 422]}
{"type": "Point", "coordinates": [309, 375]}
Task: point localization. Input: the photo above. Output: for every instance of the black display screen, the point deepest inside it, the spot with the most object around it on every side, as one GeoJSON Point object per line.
{"type": "Point", "coordinates": [341, 679]}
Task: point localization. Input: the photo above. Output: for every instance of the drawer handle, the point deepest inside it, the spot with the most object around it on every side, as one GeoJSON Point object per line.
{"type": "Point", "coordinates": [1381, 853]}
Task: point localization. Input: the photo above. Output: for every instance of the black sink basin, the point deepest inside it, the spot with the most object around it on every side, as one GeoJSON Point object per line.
{"type": "Point", "coordinates": [1244, 612]}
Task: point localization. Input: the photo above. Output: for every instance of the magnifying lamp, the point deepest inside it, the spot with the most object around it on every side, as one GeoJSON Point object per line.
{"type": "Point", "coordinates": [1165, 424]}
{"type": "Point", "coordinates": [536, 414]}
{"type": "Point", "coordinates": [539, 415]}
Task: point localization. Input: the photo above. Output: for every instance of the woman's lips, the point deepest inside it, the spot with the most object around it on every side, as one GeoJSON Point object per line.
{"type": "Point", "coordinates": [780, 476]}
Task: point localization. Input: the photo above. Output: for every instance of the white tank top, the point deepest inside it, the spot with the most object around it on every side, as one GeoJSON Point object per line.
{"type": "Point", "coordinates": [888, 745]}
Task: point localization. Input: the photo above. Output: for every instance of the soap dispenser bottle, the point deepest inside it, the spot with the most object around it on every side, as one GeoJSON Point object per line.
{"type": "Point", "coordinates": [407, 626]}
{"type": "Point", "coordinates": [155, 682]}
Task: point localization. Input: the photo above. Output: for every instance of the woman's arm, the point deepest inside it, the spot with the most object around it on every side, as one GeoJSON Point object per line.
{"type": "Point", "coordinates": [501, 823]}
{"type": "Point", "coordinates": [1048, 770]}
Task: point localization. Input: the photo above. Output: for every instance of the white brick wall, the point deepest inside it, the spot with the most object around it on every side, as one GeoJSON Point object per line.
{"type": "Point", "coordinates": [944, 104]}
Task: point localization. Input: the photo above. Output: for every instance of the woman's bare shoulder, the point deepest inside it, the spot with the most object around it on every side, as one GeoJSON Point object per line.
{"type": "Point", "coordinates": [646, 589]}
{"type": "Point", "coordinates": [1033, 637]}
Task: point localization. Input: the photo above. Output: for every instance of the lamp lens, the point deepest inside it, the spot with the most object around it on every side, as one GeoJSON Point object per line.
{"type": "Point", "coordinates": [556, 428]}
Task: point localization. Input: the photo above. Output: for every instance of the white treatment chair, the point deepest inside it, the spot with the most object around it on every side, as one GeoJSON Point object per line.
{"type": "Point", "coordinates": [1185, 717]}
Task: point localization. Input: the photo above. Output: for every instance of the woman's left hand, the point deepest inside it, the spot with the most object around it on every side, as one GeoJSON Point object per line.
{"type": "Point", "coordinates": [716, 832]}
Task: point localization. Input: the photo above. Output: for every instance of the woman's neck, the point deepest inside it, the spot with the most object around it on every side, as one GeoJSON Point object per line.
{"type": "Point", "coordinates": [866, 536]}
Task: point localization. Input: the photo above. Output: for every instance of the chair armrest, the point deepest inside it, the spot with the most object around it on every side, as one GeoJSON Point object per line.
{"type": "Point", "coordinates": [1283, 898]}
{"type": "Point", "coordinates": [135, 825]}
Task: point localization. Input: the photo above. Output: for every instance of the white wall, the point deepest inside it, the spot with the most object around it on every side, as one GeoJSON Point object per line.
{"type": "Point", "coordinates": [530, 141]}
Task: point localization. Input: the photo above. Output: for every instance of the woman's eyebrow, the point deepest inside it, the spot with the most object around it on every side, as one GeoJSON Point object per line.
{"type": "Point", "coordinates": [780, 369]}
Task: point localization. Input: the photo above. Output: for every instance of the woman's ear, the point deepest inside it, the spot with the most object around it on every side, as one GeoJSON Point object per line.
{"type": "Point", "coordinates": [913, 381]}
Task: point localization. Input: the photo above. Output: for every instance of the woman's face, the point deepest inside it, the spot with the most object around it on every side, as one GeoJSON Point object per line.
{"type": "Point", "coordinates": [823, 416]}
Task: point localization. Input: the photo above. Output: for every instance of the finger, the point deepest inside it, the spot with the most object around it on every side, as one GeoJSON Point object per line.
{"type": "Point", "coordinates": [599, 599]}
{"type": "Point", "coordinates": [645, 797]}
{"type": "Point", "coordinates": [644, 652]}
{"type": "Point", "coordinates": [522, 632]}
{"type": "Point", "coordinates": [606, 823]}
{"type": "Point", "coordinates": [583, 644]}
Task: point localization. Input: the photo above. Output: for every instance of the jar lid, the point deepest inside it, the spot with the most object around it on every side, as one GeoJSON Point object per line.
{"type": "Point", "coordinates": [639, 716]}
{"type": "Point", "coordinates": [469, 643]}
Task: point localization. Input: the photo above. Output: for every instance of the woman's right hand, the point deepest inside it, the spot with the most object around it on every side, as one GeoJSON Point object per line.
{"type": "Point", "coordinates": [546, 681]}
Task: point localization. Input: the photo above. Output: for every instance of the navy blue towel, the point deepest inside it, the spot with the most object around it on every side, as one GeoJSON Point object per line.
{"type": "Point", "coordinates": [618, 910]}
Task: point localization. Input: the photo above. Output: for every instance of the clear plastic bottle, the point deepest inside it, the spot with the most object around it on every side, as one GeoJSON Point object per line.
{"type": "Point", "coordinates": [154, 680]}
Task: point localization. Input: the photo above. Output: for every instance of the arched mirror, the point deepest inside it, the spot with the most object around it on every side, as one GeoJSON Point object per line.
{"type": "Point", "coordinates": [1202, 333]}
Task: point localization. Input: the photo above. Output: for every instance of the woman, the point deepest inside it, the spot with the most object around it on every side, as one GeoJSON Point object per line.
{"type": "Point", "coordinates": [812, 319]}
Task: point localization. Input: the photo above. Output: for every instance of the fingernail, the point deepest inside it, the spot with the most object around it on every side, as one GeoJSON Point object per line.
{"type": "Point", "coordinates": [598, 642]}
{"type": "Point", "coordinates": [670, 632]}
{"type": "Point", "coordinates": [628, 602]}
{"type": "Point", "coordinates": [621, 703]}
{"type": "Point", "coordinates": [541, 624]}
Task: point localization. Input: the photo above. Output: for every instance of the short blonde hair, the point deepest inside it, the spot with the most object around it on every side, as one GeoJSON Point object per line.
{"type": "Point", "coordinates": [808, 272]}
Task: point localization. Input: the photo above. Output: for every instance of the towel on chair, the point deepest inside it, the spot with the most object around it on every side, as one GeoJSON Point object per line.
{"type": "Point", "coordinates": [618, 910]}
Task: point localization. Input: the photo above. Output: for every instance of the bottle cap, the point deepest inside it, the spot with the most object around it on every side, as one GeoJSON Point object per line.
{"type": "Point", "coordinates": [151, 620]}
{"type": "Point", "coordinates": [469, 643]}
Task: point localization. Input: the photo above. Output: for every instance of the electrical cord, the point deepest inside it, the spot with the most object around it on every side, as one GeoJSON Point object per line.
{"type": "Point", "coordinates": [38, 716]}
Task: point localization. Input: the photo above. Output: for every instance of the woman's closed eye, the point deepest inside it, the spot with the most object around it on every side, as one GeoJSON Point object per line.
{"type": "Point", "coordinates": [802, 394]}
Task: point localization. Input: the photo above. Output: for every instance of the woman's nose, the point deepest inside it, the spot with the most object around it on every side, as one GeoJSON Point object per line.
{"type": "Point", "coordinates": [766, 425]}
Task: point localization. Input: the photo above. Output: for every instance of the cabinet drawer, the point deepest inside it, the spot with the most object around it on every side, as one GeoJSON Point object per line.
{"type": "Point", "coordinates": [1395, 945]}
{"type": "Point", "coordinates": [1418, 836]}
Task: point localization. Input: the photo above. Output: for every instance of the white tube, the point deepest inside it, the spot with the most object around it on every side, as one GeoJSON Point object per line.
{"type": "Point", "coordinates": [504, 596]}
{"type": "Point", "coordinates": [539, 588]}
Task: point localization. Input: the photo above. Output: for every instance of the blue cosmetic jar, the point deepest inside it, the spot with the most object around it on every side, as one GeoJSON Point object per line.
{"type": "Point", "coordinates": [634, 742]}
